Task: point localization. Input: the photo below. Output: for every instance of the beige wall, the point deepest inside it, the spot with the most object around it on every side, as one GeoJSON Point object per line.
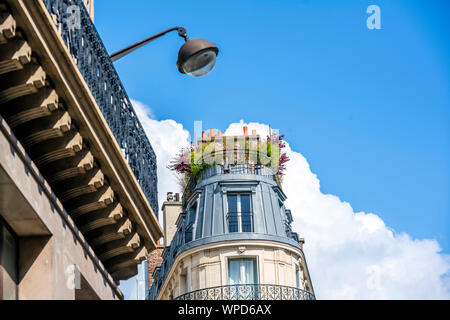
{"type": "Point", "coordinates": [206, 266]}
{"type": "Point", "coordinates": [171, 210]}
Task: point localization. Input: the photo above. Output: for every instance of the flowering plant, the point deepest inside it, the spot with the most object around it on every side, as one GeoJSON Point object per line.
{"type": "Point", "coordinates": [190, 161]}
{"type": "Point", "coordinates": [274, 145]}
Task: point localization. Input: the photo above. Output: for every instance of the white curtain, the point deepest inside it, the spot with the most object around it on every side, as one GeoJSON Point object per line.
{"type": "Point", "coordinates": [234, 271]}
{"type": "Point", "coordinates": [248, 271]}
{"type": "Point", "coordinates": [241, 271]}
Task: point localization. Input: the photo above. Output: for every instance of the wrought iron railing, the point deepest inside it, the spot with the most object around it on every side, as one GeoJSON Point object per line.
{"type": "Point", "coordinates": [92, 59]}
{"type": "Point", "coordinates": [246, 222]}
{"type": "Point", "coordinates": [248, 292]}
{"type": "Point", "coordinates": [259, 169]}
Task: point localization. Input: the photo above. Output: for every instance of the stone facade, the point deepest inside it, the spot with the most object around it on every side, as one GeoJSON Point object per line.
{"type": "Point", "coordinates": [207, 267]}
{"type": "Point", "coordinates": [76, 219]}
{"type": "Point", "coordinates": [233, 237]}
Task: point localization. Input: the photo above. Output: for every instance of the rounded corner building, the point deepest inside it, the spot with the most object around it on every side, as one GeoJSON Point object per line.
{"type": "Point", "coordinates": [230, 236]}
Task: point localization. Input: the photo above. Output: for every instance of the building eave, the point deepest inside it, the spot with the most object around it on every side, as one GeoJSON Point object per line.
{"type": "Point", "coordinates": [42, 35]}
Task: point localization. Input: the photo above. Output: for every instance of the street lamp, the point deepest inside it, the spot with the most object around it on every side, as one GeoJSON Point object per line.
{"type": "Point", "coordinates": [196, 57]}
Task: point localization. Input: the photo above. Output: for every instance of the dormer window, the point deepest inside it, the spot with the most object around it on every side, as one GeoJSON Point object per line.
{"type": "Point", "coordinates": [191, 212]}
{"type": "Point", "coordinates": [240, 215]}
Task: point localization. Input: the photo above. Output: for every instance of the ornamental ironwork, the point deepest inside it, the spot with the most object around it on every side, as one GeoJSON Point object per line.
{"type": "Point", "coordinates": [248, 292]}
{"type": "Point", "coordinates": [86, 47]}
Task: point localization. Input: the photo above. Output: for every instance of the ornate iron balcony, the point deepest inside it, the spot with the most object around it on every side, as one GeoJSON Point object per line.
{"type": "Point", "coordinates": [236, 169]}
{"type": "Point", "coordinates": [260, 170]}
{"type": "Point", "coordinates": [92, 59]}
{"type": "Point", "coordinates": [248, 292]}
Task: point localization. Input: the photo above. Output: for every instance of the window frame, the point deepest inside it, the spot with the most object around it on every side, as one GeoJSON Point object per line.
{"type": "Point", "coordinates": [191, 211]}
{"type": "Point", "coordinates": [241, 258]}
{"type": "Point", "coordinates": [239, 211]}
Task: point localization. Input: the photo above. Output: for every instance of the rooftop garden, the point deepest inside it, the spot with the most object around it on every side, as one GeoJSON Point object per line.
{"type": "Point", "coordinates": [227, 151]}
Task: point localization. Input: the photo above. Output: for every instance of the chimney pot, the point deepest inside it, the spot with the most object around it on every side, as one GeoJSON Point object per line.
{"type": "Point", "coordinates": [301, 242]}
{"type": "Point", "coordinates": [203, 134]}
{"type": "Point", "coordinates": [253, 132]}
{"type": "Point", "coordinates": [245, 131]}
{"type": "Point", "coordinates": [211, 132]}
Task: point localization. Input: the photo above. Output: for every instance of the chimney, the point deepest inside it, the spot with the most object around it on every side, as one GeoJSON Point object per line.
{"type": "Point", "coordinates": [171, 210]}
{"type": "Point", "coordinates": [253, 132]}
{"type": "Point", "coordinates": [211, 132]}
{"type": "Point", "coordinates": [245, 131]}
{"type": "Point", "coordinates": [203, 134]}
{"type": "Point", "coordinates": [154, 260]}
{"type": "Point", "coordinates": [219, 134]}
{"type": "Point", "coordinates": [301, 242]}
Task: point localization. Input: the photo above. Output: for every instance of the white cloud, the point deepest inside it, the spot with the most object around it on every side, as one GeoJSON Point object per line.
{"type": "Point", "coordinates": [350, 255]}
{"type": "Point", "coordinates": [167, 138]}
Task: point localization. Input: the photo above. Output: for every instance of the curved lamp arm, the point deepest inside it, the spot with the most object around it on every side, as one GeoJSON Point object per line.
{"type": "Point", "coordinates": [119, 54]}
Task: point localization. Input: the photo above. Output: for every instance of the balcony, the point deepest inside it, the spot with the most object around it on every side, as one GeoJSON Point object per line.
{"type": "Point", "coordinates": [63, 105]}
{"type": "Point", "coordinates": [260, 170]}
{"type": "Point", "coordinates": [248, 292]}
{"type": "Point", "coordinates": [92, 59]}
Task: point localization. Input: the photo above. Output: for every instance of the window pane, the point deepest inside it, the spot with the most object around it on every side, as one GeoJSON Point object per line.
{"type": "Point", "coordinates": [232, 213]}
{"type": "Point", "coordinates": [232, 222]}
{"type": "Point", "coordinates": [234, 271]}
{"type": "Point", "coordinates": [246, 222]}
{"type": "Point", "coordinates": [245, 203]}
{"type": "Point", "coordinates": [199, 225]}
{"type": "Point", "coordinates": [232, 203]}
{"type": "Point", "coordinates": [242, 271]}
{"type": "Point", "coordinates": [192, 214]}
{"type": "Point", "coordinates": [246, 214]}
{"type": "Point", "coordinates": [188, 234]}
{"type": "Point", "coordinates": [249, 274]}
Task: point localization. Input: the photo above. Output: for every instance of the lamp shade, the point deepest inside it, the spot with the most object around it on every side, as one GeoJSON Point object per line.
{"type": "Point", "coordinates": [197, 57]}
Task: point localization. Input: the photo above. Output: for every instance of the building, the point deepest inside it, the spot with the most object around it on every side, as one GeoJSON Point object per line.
{"type": "Point", "coordinates": [78, 195]}
{"type": "Point", "coordinates": [230, 236]}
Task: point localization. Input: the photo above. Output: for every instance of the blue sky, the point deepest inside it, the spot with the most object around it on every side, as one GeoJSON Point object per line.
{"type": "Point", "coordinates": [369, 109]}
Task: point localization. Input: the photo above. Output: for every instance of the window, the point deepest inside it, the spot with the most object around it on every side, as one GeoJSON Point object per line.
{"type": "Point", "coordinates": [242, 271]}
{"type": "Point", "coordinates": [8, 263]}
{"type": "Point", "coordinates": [239, 213]}
{"type": "Point", "coordinates": [199, 223]}
{"type": "Point", "coordinates": [190, 223]}
{"type": "Point", "coordinates": [184, 285]}
{"type": "Point", "coordinates": [297, 277]}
